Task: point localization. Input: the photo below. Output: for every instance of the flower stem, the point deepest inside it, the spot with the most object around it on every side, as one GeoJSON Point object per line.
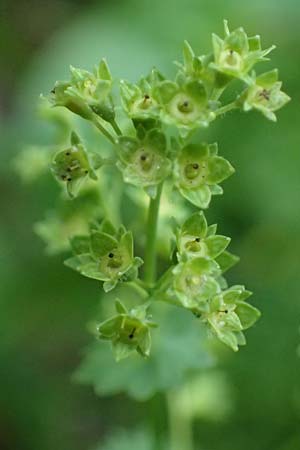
{"type": "Point", "coordinates": [151, 231]}
{"type": "Point", "coordinates": [180, 424]}
{"type": "Point", "coordinates": [226, 108]}
{"type": "Point", "coordinates": [116, 127]}
{"type": "Point", "coordinates": [139, 289]}
{"type": "Point", "coordinates": [103, 130]}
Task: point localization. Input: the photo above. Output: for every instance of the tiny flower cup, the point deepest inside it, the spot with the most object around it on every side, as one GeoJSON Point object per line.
{"type": "Point", "coordinates": [144, 162]}
{"type": "Point", "coordinates": [198, 170]}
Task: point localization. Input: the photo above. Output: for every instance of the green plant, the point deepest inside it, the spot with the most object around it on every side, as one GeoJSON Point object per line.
{"type": "Point", "coordinates": [152, 143]}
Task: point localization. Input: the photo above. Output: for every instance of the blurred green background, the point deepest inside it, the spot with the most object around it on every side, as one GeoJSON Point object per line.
{"type": "Point", "coordinates": [45, 307]}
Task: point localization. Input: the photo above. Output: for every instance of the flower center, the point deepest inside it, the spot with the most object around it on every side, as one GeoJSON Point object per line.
{"type": "Point", "coordinates": [193, 246]}
{"type": "Point", "coordinates": [114, 260]}
{"type": "Point", "coordinates": [192, 170]}
{"type": "Point", "coordinates": [145, 160]}
{"type": "Point", "coordinates": [231, 59]}
{"type": "Point", "coordinates": [185, 106]}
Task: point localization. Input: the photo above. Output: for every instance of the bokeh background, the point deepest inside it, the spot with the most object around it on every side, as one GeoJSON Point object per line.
{"type": "Point", "coordinates": [252, 399]}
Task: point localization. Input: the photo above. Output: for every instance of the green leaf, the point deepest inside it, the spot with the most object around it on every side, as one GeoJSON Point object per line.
{"type": "Point", "coordinates": [232, 295]}
{"type": "Point", "coordinates": [126, 242]}
{"type": "Point", "coordinates": [166, 91]}
{"type": "Point", "coordinates": [75, 139]}
{"type": "Point", "coordinates": [102, 243]}
{"type": "Point", "coordinates": [157, 139]}
{"type": "Point", "coordinates": [109, 328]}
{"type": "Point", "coordinates": [196, 225]}
{"type": "Point", "coordinates": [238, 41]}
{"type": "Point", "coordinates": [200, 197]}
{"type": "Point", "coordinates": [267, 79]}
{"type": "Point", "coordinates": [218, 169]}
{"type": "Point", "coordinates": [103, 70]}
{"type": "Point", "coordinates": [211, 230]}
{"type": "Point", "coordinates": [197, 91]}
{"type": "Point", "coordinates": [144, 343]}
{"type": "Point", "coordinates": [107, 227]}
{"type": "Point", "coordinates": [226, 260]}
{"type": "Point", "coordinates": [254, 43]}
{"type": "Point", "coordinates": [109, 285]}
{"type": "Point", "coordinates": [80, 244]}
{"type": "Point", "coordinates": [216, 245]}
{"type": "Point", "coordinates": [188, 57]}
{"type": "Point", "coordinates": [229, 338]}
{"type": "Point", "coordinates": [121, 350]}
{"type": "Point", "coordinates": [121, 309]}
{"type": "Point", "coordinates": [247, 313]}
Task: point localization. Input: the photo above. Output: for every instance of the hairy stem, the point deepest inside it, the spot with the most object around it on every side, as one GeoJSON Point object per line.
{"type": "Point", "coordinates": [151, 231]}
{"type": "Point", "coordinates": [180, 425]}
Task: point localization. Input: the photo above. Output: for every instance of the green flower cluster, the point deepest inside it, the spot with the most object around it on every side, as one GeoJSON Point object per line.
{"type": "Point", "coordinates": [128, 331]}
{"type": "Point", "coordinates": [196, 282]}
{"type": "Point", "coordinates": [73, 165]}
{"type": "Point", "coordinates": [86, 93]}
{"type": "Point", "coordinates": [105, 255]}
{"type": "Point", "coordinates": [151, 130]}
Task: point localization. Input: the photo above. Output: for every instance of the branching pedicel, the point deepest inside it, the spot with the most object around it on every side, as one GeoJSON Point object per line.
{"type": "Point", "coordinates": [163, 115]}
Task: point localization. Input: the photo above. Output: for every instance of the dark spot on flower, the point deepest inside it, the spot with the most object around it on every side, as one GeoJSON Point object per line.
{"type": "Point", "coordinates": [67, 153]}
{"type": "Point", "coordinates": [265, 94]}
{"type": "Point", "coordinates": [146, 97]}
{"type": "Point", "coordinates": [195, 166]}
{"type": "Point", "coordinates": [111, 255]}
{"type": "Point", "coordinates": [197, 239]}
{"type": "Point", "coordinates": [86, 171]}
{"type": "Point", "coordinates": [143, 157]}
{"type": "Point", "coordinates": [69, 179]}
{"type": "Point", "coordinates": [226, 311]}
{"type": "Point", "coordinates": [131, 335]}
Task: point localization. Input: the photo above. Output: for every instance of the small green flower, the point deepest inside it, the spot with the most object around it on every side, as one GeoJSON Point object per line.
{"type": "Point", "coordinates": [129, 331]}
{"type": "Point", "coordinates": [72, 166]}
{"type": "Point", "coordinates": [144, 161]}
{"type": "Point", "coordinates": [184, 104]}
{"type": "Point", "coordinates": [265, 95]}
{"type": "Point", "coordinates": [229, 315]}
{"type": "Point", "coordinates": [86, 93]}
{"type": "Point", "coordinates": [237, 53]}
{"type": "Point", "coordinates": [105, 255]}
{"type": "Point", "coordinates": [194, 283]}
{"type": "Point", "coordinates": [196, 239]}
{"type": "Point", "coordinates": [198, 170]}
{"type": "Point", "coordinates": [138, 100]}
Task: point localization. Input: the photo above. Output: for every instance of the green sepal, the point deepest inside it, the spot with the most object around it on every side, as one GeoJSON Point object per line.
{"type": "Point", "coordinates": [216, 245]}
{"type": "Point", "coordinates": [102, 243]}
{"type": "Point", "coordinates": [226, 260]}
{"type": "Point", "coordinates": [80, 244]}
{"type": "Point", "coordinates": [218, 170]}
{"type": "Point", "coordinates": [120, 308]}
{"type": "Point", "coordinates": [121, 350]}
{"type": "Point", "coordinates": [109, 285]}
{"type": "Point", "coordinates": [200, 197]}
{"type": "Point", "coordinates": [196, 225]}
{"type": "Point", "coordinates": [247, 313]}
